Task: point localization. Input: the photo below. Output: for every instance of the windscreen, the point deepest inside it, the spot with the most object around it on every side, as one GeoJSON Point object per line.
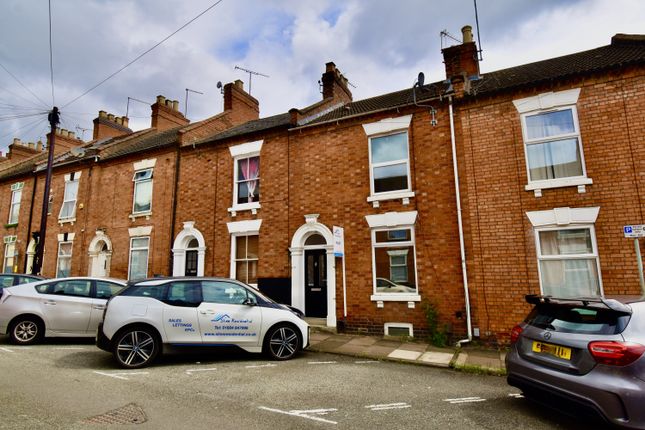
{"type": "Point", "coordinates": [577, 319]}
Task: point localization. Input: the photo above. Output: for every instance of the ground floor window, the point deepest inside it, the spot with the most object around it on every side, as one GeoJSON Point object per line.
{"type": "Point", "coordinates": [568, 262]}
{"type": "Point", "coordinates": [246, 258]}
{"type": "Point", "coordinates": [139, 247]}
{"type": "Point", "coordinates": [64, 263]}
{"type": "Point", "coordinates": [9, 257]}
{"type": "Point", "coordinates": [394, 261]}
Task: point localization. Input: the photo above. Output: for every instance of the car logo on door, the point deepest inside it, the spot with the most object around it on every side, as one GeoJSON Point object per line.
{"type": "Point", "coordinates": [547, 335]}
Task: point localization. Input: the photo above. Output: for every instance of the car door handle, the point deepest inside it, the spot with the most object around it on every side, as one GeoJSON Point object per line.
{"type": "Point", "coordinates": [50, 302]}
{"type": "Point", "coordinates": [207, 312]}
{"type": "Point", "coordinates": [98, 307]}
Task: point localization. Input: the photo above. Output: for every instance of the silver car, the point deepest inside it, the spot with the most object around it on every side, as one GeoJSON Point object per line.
{"type": "Point", "coordinates": [583, 355]}
{"type": "Point", "coordinates": [64, 307]}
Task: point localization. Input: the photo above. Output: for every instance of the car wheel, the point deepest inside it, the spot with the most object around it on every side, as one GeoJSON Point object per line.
{"type": "Point", "coordinates": [282, 342]}
{"type": "Point", "coordinates": [136, 347]}
{"type": "Point", "coordinates": [26, 331]}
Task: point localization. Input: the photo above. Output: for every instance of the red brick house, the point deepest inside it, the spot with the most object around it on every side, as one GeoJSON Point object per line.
{"type": "Point", "coordinates": [467, 193]}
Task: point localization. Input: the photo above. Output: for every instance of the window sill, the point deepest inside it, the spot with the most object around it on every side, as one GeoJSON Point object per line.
{"type": "Point", "coordinates": [403, 195]}
{"type": "Point", "coordinates": [134, 216]}
{"type": "Point", "coordinates": [538, 186]}
{"type": "Point", "coordinates": [11, 225]}
{"type": "Point", "coordinates": [395, 297]}
{"type": "Point", "coordinates": [66, 221]}
{"type": "Point", "coordinates": [253, 207]}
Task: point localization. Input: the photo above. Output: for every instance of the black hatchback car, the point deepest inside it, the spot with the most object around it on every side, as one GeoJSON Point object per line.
{"type": "Point", "coordinates": [582, 355]}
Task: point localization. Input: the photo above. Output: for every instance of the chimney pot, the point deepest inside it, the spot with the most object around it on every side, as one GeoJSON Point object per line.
{"type": "Point", "coordinates": [16, 141]}
{"type": "Point", "coordinates": [111, 117]}
{"type": "Point", "coordinates": [39, 145]}
{"type": "Point", "coordinates": [118, 120]}
{"type": "Point", "coordinates": [32, 145]}
{"type": "Point", "coordinates": [102, 114]}
{"type": "Point", "coordinates": [238, 83]}
{"type": "Point", "coordinates": [71, 134]}
{"type": "Point", "coordinates": [467, 33]}
{"type": "Point", "coordinates": [126, 120]}
{"type": "Point", "coordinates": [161, 99]}
{"type": "Point", "coordinates": [330, 67]}
{"type": "Point", "coordinates": [175, 105]}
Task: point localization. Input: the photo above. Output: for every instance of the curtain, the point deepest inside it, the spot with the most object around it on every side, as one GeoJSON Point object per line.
{"type": "Point", "coordinates": [250, 170]}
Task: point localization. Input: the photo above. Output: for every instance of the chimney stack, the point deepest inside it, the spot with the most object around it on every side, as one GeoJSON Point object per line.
{"type": "Point", "coordinates": [462, 61]}
{"type": "Point", "coordinates": [20, 150]}
{"type": "Point", "coordinates": [335, 85]}
{"type": "Point", "coordinates": [107, 125]}
{"type": "Point", "coordinates": [239, 103]}
{"type": "Point", "coordinates": [166, 115]}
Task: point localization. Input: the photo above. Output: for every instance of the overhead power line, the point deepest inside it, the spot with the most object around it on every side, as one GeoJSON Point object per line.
{"type": "Point", "coordinates": [141, 55]}
{"type": "Point", "coordinates": [23, 85]}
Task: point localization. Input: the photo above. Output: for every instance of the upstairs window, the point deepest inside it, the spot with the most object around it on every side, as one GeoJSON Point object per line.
{"type": "Point", "coordinates": [142, 202]}
{"type": "Point", "coordinates": [68, 209]}
{"type": "Point", "coordinates": [247, 180]}
{"type": "Point", "coordinates": [14, 210]}
{"type": "Point", "coordinates": [389, 164]}
{"type": "Point", "coordinates": [553, 145]}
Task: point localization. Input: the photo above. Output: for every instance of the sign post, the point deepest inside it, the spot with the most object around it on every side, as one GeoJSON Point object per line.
{"type": "Point", "coordinates": [339, 251]}
{"type": "Point", "coordinates": [636, 231]}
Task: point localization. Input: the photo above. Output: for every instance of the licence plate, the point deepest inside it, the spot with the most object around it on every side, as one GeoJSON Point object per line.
{"type": "Point", "coordinates": [555, 350]}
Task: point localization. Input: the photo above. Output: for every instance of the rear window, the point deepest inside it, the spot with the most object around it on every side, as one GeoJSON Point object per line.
{"type": "Point", "coordinates": [572, 319]}
{"type": "Point", "coordinates": [153, 291]}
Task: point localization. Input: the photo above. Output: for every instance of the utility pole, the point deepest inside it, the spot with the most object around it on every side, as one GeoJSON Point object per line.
{"type": "Point", "coordinates": [54, 120]}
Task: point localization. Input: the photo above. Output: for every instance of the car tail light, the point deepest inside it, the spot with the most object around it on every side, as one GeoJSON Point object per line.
{"type": "Point", "coordinates": [615, 353]}
{"type": "Point", "coordinates": [515, 333]}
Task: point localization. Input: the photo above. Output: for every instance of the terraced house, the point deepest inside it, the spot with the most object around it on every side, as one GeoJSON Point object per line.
{"type": "Point", "coordinates": [463, 195]}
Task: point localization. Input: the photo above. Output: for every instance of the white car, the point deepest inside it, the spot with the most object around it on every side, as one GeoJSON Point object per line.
{"type": "Point", "coordinates": [384, 285]}
{"type": "Point", "coordinates": [64, 307]}
{"type": "Point", "coordinates": [156, 314]}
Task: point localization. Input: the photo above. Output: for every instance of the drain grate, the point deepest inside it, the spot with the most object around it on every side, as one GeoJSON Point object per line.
{"type": "Point", "coordinates": [128, 414]}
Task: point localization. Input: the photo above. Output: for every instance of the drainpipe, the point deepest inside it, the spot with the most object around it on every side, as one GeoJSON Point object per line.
{"type": "Point", "coordinates": [461, 228]}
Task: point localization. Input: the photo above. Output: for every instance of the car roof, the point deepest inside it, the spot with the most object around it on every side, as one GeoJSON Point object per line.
{"type": "Point", "coordinates": [91, 278]}
{"type": "Point", "coordinates": [164, 280]}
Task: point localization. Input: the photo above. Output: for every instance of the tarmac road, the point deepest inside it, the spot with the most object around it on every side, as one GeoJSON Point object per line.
{"type": "Point", "coordinates": [72, 384]}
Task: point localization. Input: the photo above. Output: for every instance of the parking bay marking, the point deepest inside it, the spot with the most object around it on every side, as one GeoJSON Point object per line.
{"type": "Point", "coordinates": [191, 371]}
{"type": "Point", "coordinates": [121, 375]}
{"type": "Point", "coordinates": [464, 400]}
{"type": "Point", "coordinates": [365, 362]}
{"type": "Point", "coordinates": [516, 395]}
{"type": "Point", "coordinates": [304, 414]}
{"type": "Point", "coordinates": [71, 347]}
{"type": "Point", "coordinates": [322, 362]}
{"type": "Point", "coordinates": [6, 350]}
{"type": "Point", "coordinates": [388, 406]}
{"type": "Point", "coordinates": [257, 366]}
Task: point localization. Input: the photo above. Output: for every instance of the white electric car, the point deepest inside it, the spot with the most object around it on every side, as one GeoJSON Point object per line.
{"type": "Point", "coordinates": [156, 314]}
{"type": "Point", "coordinates": [64, 307]}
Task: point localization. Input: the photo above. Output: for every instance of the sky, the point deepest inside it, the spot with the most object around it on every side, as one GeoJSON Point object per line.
{"type": "Point", "coordinates": [379, 45]}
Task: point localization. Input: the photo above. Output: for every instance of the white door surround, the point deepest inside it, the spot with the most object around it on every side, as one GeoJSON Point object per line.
{"type": "Point", "coordinates": [297, 250]}
{"type": "Point", "coordinates": [100, 252]}
{"type": "Point", "coordinates": [181, 244]}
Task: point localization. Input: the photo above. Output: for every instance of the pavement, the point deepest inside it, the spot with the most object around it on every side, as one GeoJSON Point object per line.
{"type": "Point", "coordinates": [467, 358]}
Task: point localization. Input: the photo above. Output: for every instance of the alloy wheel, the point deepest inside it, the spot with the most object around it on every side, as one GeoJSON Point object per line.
{"type": "Point", "coordinates": [26, 331]}
{"type": "Point", "coordinates": [283, 343]}
{"type": "Point", "coordinates": [136, 348]}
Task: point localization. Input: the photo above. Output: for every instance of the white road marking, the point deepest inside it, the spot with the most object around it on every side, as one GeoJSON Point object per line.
{"type": "Point", "coordinates": [464, 400]}
{"type": "Point", "coordinates": [516, 395]}
{"type": "Point", "coordinates": [322, 362]}
{"type": "Point", "coordinates": [71, 347]}
{"type": "Point", "coordinates": [365, 362]}
{"type": "Point", "coordinates": [120, 375]}
{"type": "Point", "coordinates": [388, 406]}
{"type": "Point", "coordinates": [191, 371]}
{"type": "Point", "coordinates": [305, 414]}
{"type": "Point", "coordinates": [258, 366]}
{"type": "Point", "coordinates": [5, 350]}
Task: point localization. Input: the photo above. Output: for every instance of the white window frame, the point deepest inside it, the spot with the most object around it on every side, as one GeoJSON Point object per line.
{"type": "Point", "coordinates": [234, 259]}
{"type": "Point", "coordinates": [9, 244]}
{"type": "Point", "coordinates": [399, 297]}
{"type": "Point", "coordinates": [68, 181]}
{"type": "Point", "coordinates": [238, 153]}
{"type": "Point", "coordinates": [138, 182]}
{"type": "Point", "coordinates": [58, 257]}
{"type": "Point", "coordinates": [399, 253]}
{"type": "Point", "coordinates": [594, 248]}
{"type": "Point", "coordinates": [545, 103]}
{"type": "Point", "coordinates": [14, 207]}
{"type": "Point", "coordinates": [146, 248]}
{"type": "Point", "coordinates": [389, 127]}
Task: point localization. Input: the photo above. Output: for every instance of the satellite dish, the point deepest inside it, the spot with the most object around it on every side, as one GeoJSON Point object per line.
{"type": "Point", "coordinates": [421, 79]}
{"type": "Point", "coordinates": [219, 84]}
{"type": "Point", "coordinates": [77, 152]}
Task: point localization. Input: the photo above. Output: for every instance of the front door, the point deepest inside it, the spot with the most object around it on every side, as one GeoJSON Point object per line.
{"type": "Point", "coordinates": [316, 283]}
{"type": "Point", "coordinates": [191, 263]}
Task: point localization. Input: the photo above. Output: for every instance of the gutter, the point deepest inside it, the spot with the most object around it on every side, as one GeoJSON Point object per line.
{"type": "Point", "coordinates": [462, 249]}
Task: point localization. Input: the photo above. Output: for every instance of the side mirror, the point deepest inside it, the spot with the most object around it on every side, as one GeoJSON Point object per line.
{"type": "Point", "coordinates": [249, 302]}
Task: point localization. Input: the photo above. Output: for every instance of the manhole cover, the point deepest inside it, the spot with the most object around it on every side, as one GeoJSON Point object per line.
{"type": "Point", "coordinates": [128, 414]}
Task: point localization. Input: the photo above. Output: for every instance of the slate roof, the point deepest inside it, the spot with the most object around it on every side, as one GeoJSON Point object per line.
{"type": "Point", "coordinates": [262, 124]}
{"type": "Point", "coordinates": [624, 50]}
